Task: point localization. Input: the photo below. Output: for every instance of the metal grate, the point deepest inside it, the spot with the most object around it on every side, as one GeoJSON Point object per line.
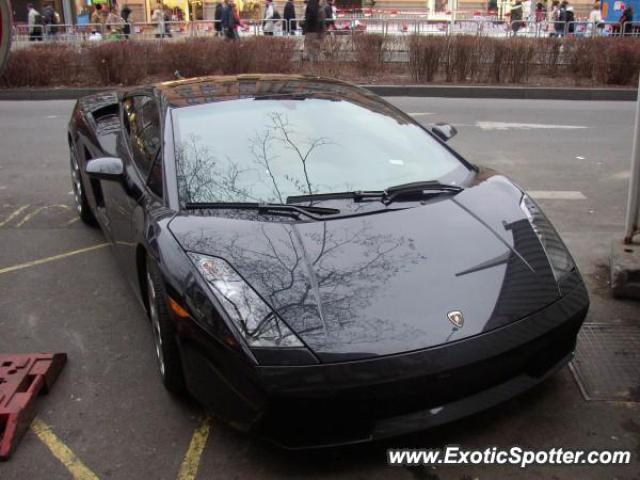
{"type": "Point", "coordinates": [607, 362]}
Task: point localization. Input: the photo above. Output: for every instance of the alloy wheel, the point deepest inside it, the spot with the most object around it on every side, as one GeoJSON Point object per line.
{"type": "Point", "coordinates": [155, 323]}
{"type": "Point", "coordinates": [76, 181]}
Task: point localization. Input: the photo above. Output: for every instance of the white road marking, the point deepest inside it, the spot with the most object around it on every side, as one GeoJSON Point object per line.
{"type": "Point", "coordinates": [579, 158]}
{"type": "Point", "coordinates": [556, 195]}
{"type": "Point", "coordinates": [52, 116]}
{"type": "Point", "coordinates": [525, 126]}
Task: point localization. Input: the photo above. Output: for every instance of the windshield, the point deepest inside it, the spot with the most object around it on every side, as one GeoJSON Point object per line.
{"type": "Point", "coordinates": [266, 150]}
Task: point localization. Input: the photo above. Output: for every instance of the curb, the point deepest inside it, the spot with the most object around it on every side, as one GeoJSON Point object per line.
{"type": "Point", "coordinates": [448, 91]}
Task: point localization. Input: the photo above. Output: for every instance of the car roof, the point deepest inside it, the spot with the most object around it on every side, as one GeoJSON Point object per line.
{"type": "Point", "coordinates": [211, 89]}
{"type": "Point", "coordinates": [195, 91]}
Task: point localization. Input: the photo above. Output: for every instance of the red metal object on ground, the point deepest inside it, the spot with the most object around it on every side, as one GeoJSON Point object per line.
{"type": "Point", "coordinates": [22, 378]}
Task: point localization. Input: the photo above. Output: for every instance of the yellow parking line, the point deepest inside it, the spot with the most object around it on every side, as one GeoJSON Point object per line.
{"type": "Point", "coordinates": [40, 261]}
{"type": "Point", "coordinates": [13, 215]}
{"type": "Point", "coordinates": [78, 470]}
{"type": "Point", "coordinates": [191, 462]}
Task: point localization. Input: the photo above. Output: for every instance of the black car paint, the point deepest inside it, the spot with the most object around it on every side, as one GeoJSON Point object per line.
{"type": "Point", "coordinates": [493, 253]}
{"type": "Point", "coordinates": [339, 282]}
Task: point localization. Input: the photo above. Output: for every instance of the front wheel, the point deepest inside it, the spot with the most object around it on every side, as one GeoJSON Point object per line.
{"type": "Point", "coordinates": [79, 193]}
{"type": "Point", "coordinates": [166, 346]}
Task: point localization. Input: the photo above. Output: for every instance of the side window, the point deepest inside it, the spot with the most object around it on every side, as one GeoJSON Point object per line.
{"type": "Point", "coordinates": [155, 177]}
{"type": "Point", "coordinates": [144, 125]}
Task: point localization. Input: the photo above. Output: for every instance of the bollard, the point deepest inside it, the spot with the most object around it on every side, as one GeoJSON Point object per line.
{"type": "Point", "coordinates": [633, 200]}
{"type": "Point", "coordinates": [624, 260]}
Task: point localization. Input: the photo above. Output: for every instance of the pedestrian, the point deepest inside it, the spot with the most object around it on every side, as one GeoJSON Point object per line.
{"type": "Point", "coordinates": [125, 13]}
{"type": "Point", "coordinates": [526, 11]}
{"type": "Point", "coordinates": [567, 16]}
{"type": "Point", "coordinates": [98, 18]}
{"type": "Point", "coordinates": [539, 16]}
{"type": "Point", "coordinates": [157, 18]}
{"type": "Point", "coordinates": [516, 16]}
{"type": "Point", "coordinates": [169, 18]}
{"type": "Point", "coordinates": [329, 22]}
{"type": "Point", "coordinates": [289, 15]}
{"type": "Point", "coordinates": [224, 19]}
{"type": "Point", "coordinates": [626, 20]}
{"type": "Point", "coordinates": [595, 25]}
{"type": "Point", "coordinates": [313, 29]}
{"type": "Point", "coordinates": [554, 19]}
{"type": "Point", "coordinates": [540, 13]}
{"type": "Point", "coordinates": [51, 20]}
{"type": "Point", "coordinates": [231, 21]}
{"type": "Point", "coordinates": [34, 22]}
{"type": "Point", "coordinates": [561, 19]}
{"type": "Point", "coordinates": [217, 19]}
{"type": "Point", "coordinates": [268, 24]}
{"type": "Point", "coordinates": [305, 4]}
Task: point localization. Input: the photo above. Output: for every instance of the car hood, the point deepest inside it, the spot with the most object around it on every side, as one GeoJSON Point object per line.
{"type": "Point", "coordinates": [358, 287]}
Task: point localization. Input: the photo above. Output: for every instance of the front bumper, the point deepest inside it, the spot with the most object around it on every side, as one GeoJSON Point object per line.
{"type": "Point", "coordinates": [341, 403]}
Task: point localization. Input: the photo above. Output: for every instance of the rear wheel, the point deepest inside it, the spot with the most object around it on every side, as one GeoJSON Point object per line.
{"type": "Point", "coordinates": [166, 346]}
{"type": "Point", "coordinates": [79, 194]}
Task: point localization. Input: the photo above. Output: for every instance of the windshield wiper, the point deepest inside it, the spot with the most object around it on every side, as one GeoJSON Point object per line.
{"type": "Point", "coordinates": [386, 196]}
{"type": "Point", "coordinates": [315, 213]}
{"type": "Point", "coordinates": [357, 196]}
{"type": "Point", "coordinates": [430, 187]}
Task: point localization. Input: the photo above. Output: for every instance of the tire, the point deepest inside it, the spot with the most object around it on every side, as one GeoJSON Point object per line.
{"type": "Point", "coordinates": [79, 192]}
{"type": "Point", "coordinates": [164, 339]}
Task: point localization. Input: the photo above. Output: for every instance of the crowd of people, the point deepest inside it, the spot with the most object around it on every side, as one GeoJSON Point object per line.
{"type": "Point", "coordinates": [110, 22]}
{"type": "Point", "coordinates": [319, 16]}
{"type": "Point", "coordinates": [561, 16]}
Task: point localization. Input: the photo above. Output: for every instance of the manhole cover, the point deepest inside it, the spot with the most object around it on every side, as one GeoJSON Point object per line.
{"type": "Point", "coordinates": [607, 362]}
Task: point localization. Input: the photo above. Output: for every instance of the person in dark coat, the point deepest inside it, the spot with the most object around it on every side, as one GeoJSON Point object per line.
{"type": "Point", "coordinates": [289, 16]}
{"type": "Point", "coordinates": [125, 13]}
{"type": "Point", "coordinates": [625, 20]}
{"type": "Point", "coordinates": [217, 16]}
{"type": "Point", "coordinates": [313, 29]}
{"type": "Point", "coordinates": [50, 18]}
{"type": "Point", "coordinates": [314, 18]}
{"type": "Point", "coordinates": [329, 23]}
{"type": "Point", "coordinates": [231, 21]}
{"type": "Point", "coordinates": [516, 16]}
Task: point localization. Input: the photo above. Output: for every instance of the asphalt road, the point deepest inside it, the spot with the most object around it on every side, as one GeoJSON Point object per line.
{"type": "Point", "coordinates": [109, 408]}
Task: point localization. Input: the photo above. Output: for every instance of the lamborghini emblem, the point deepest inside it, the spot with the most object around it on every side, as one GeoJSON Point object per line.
{"type": "Point", "coordinates": [456, 318]}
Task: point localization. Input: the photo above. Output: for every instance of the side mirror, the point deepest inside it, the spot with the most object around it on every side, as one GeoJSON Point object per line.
{"type": "Point", "coordinates": [106, 168]}
{"type": "Point", "coordinates": [444, 131]}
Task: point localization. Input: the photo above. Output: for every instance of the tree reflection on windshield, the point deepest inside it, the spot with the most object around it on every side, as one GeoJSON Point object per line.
{"type": "Point", "coordinates": [266, 150]}
{"type": "Point", "coordinates": [203, 177]}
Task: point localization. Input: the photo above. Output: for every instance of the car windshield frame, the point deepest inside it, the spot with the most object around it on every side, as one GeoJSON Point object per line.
{"type": "Point", "coordinates": [464, 170]}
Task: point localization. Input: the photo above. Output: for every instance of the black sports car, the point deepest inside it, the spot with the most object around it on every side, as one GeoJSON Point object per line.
{"type": "Point", "coordinates": [317, 267]}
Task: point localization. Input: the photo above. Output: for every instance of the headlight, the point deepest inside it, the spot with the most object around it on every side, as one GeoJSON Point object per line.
{"type": "Point", "coordinates": [558, 255]}
{"type": "Point", "coordinates": [256, 321]}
